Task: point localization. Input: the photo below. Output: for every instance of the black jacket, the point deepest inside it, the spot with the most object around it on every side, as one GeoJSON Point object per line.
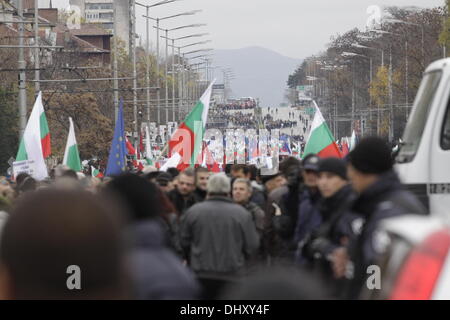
{"type": "Point", "coordinates": [385, 199]}
{"type": "Point", "coordinates": [280, 230]}
{"type": "Point", "coordinates": [331, 232]}
{"type": "Point", "coordinates": [199, 195]}
{"type": "Point", "coordinates": [181, 203]}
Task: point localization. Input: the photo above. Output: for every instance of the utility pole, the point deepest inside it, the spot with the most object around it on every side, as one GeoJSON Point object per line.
{"type": "Point", "coordinates": [166, 73]}
{"type": "Point", "coordinates": [133, 44]}
{"type": "Point", "coordinates": [36, 50]}
{"type": "Point", "coordinates": [391, 99]}
{"type": "Point", "coordinates": [115, 63]}
{"type": "Point", "coordinates": [148, 66]}
{"type": "Point", "coordinates": [158, 82]}
{"type": "Point", "coordinates": [173, 80]}
{"type": "Point", "coordinates": [180, 84]}
{"type": "Point", "coordinates": [22, 74]}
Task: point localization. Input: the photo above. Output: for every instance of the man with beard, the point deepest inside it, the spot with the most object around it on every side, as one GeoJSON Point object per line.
{"type": "Point", "coordinates": [201, 181]}
{"type": "Point", "coordinates": [182, 196]}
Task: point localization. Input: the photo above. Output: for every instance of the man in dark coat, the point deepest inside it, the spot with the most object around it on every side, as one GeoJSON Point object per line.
{"type": "Point", "coordinates": [218, 236]}
{"type": "Point", "coordinates": [182, 196]}
{"type": "Point", "coordinates": [281, 213]}
{"type": "Point", "coordinates": [380, 196]}
{"type": "Point", "coordinates": [201, 181]}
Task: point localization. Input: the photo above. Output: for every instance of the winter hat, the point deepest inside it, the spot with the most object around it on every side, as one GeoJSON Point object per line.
{"type": "Point", "coordinates": [267, 178]}
{"type": "Point", "coordinates": [371, 155]}
{"type": "Point", "coordinates": [311, 162]}
{"type": "Point", "coordinates": [334, 165]}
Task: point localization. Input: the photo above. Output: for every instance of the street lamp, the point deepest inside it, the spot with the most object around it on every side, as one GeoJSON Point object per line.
{"type": "Point", "coordinates": [353, 54]}
{"type": "Point", "coordinates": [200, 50]}
{"type": "Point", "coordinates": [413, 24]}
{"type": "Point", "coordinates": [391, 95]}
{"type": "Point", "coordinates": [188, 13]}
{"type": "Point", "coordinates": [147, 7]}
{"type": "Point", "coordinates": [173, 64]}
{"type": "Point", "coordinates": [181, 80]}
{"type": "Point", "coordinates": [360, 46]}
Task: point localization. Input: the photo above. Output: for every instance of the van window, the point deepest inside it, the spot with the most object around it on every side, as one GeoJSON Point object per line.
{"type": "Point", "coordinates": [416, 123]}
{"type": "Point", "coordinates": [445, 134]}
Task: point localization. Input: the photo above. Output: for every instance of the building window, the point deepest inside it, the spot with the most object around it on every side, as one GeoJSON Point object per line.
{"type": "Point", "coordinates": [106, 15]}
{"type": "Point", "coordinates": [108, 26]}
{"type": "Point", "coordinates": [99, 6]}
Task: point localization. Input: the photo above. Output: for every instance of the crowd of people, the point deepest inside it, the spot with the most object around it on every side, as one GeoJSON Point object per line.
{"type": "Point", "coordinates": [240, 105]}
{"type": "Point", "coordinates": [232, 120]}
{"type": "Point", "coordinates": [307, 231]}
{"type": "Point", "coordinates": [270, 123]}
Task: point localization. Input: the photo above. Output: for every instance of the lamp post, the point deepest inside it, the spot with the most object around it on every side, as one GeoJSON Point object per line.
{"type": "Point", "coordinates": [195, 94]}
{"type": "Point", "coordinates": [173, 64]}
{"type": "Point", "coordinates": [350, 55]}
{"type": "Point", "coordinates": [181, 69]}
{"type": "Point", "coordinates": [413, 24]}
{"type": "Point", "coordinates": [147, 76]}
{"type": "Point", "coordinates": [177, 73]}
{"type": "Point", "coordinates": [391, 93]}
{"type": "Point", "coordinates": [158, 98]}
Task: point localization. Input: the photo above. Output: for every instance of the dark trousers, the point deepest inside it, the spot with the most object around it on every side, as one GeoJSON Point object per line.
{"type": "Point", "coordinates": [214, 287]}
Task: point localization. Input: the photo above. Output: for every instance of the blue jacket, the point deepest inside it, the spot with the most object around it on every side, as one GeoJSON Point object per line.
{"type": "Point", "coordinates": [156, 272]}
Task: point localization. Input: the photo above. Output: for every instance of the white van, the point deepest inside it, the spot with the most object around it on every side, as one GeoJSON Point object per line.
{"type": "Point", "coordinates": [417, 261]}
{"type": "Point", "coordinates": [423, 162]}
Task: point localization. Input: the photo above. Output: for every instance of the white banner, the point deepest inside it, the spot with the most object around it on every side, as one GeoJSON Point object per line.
{"type": "Point", "coordinates": [26, 166]}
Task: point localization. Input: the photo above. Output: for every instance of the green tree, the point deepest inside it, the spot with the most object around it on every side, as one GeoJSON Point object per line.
{"type": "Point", "coordinates": [8, 127]}
{"type": "Point", "coordinates": [444, 37]}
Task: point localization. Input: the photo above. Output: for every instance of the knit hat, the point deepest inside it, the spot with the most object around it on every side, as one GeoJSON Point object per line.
{"type": "Point", "coordinates": [163, 178]}
{"type": "Point", "coordinates": [311, 162]}
{"type": "Point", "coordinates": [267, 178]}
{"type": "Point", "coordinates": [371, 155]}
{"type": "Point", "coordinates": [334, 165]}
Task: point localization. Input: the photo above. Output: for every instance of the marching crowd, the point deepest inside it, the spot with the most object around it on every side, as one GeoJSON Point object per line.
{"type": "Point", "coordinates": [250, 104]}
{"type": "Point", "coordinates": [237, 119]}
{"type": "Point", "coordinates": [306, 231]}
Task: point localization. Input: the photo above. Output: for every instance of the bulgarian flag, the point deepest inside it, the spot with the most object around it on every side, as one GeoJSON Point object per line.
{"type": "Point", "coordinates": [187, 140]}
{"type": "Point", "coordinates": [35, 143]}
{"type": "Point", "coordinates": [96, 173]}
{"type": "Point", "coordinates": [321, 140]}
{"type": "Point", "coordinates": [71, 155]}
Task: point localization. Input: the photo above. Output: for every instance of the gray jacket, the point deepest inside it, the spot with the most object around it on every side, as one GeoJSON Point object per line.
{"type": "Point", "coordinates": [218, 236]}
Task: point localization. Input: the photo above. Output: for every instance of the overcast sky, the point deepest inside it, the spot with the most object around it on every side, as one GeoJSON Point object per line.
{"type": "Point", "coordinates": [294, 28]}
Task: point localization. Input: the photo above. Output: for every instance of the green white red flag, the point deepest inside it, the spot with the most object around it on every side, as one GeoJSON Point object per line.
{"type": "Point", "coordinates": [321, 140]}
{"type": "Point", "coordinates": [72, 155]}
{"type": "Point", "coordinates": [187, 141]}
{"type": "Point", "coordinates": [96, 173]}
{"type": "Point", "coordinates": [35, 143]}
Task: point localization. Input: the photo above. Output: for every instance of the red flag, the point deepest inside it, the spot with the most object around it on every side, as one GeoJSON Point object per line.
{"type": "Point", "coordinates": [345, 150]}
{"type": "Point", "coordinates": [130, 148]}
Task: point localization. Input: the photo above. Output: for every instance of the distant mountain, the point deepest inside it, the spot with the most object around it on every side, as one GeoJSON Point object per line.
{"type": "Point", "coordinates": [260, 73]}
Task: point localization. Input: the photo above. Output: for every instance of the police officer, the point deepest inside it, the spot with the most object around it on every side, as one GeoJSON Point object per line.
{"type": "Point", "coordinates": [380, 196]}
